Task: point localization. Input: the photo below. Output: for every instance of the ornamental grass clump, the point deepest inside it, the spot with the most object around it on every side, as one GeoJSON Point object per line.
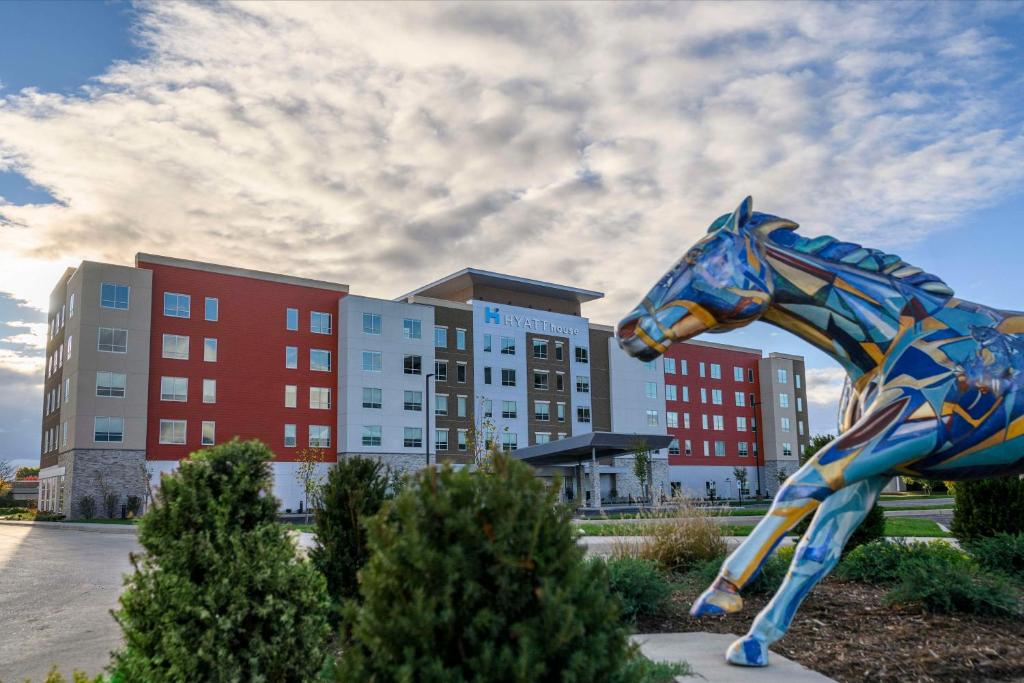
{"type": "Point", "coordinates": [678, 539]}
{"type": "Point", "coordinates": [477, 576]}
{"type": "Point", "coordinates": [219, 593]}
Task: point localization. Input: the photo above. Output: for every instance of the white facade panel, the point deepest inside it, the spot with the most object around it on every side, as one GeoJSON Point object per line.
{"type": "Point", "coordinates": [631, 399]}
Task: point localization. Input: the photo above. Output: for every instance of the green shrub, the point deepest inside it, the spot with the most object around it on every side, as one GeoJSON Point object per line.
{"type": "Point", "coordinates": [133, 505]}
{"type": "Point", "coordinates": [354, 491]}
{"type": "Point", "coordinates": [639, 585]}
{"type": "Point", "coordinates": [220, 594]}
{"type": "Point", "coordinates": [477, 576]}
{"type": "Point", "coordinates": [86, 507]}
{"type": "Point", "coordinates": [948, 588]}
{"type": "Point", "coordinates": [880, 562]}
{"type": "Point", "coordinates": [55, 676]}
{"type": "Point", "coordinates": [988, 507]}
{"type": "Point", "coordinates": [1002, 553]}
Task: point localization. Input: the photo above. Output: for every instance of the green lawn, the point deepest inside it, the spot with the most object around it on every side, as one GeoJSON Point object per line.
{"type": "Point", "coordinates": [894, 526]}
{"type": "Point", "coordinates": [911, 526]}
{"type": "Point", "coordinates": [912, 496]}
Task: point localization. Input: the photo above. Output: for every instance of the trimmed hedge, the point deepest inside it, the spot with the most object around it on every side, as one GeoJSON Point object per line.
{"type": "Point", "coordinates": [987, 507]}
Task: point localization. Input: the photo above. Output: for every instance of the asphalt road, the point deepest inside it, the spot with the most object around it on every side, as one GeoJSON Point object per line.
{"type": "Point", "coordinates": [57, 588]}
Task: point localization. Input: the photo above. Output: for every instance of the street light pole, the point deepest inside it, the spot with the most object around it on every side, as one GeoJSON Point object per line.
{"type": "Point", "coordinates": [426, 413]}
{"type": "Point", "coordinates": [757, 451]}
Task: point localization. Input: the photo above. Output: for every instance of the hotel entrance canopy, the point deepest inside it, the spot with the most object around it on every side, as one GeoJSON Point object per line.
{"type": "Point", "coordinates": [595, 445]}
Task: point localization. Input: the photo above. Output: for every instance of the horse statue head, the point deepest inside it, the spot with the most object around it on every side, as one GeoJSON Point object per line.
{"type": "Point", "coordinates": [719, 284]}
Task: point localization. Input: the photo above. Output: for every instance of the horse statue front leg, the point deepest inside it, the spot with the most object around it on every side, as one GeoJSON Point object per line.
{"type": "Point", "coordinates": [864, 453]}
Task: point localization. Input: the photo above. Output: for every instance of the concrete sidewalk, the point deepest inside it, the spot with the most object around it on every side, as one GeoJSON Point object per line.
{"type": "Point", "coordinates": [705, 653]}
{"type": "Point", "coordinates": [76, 526]}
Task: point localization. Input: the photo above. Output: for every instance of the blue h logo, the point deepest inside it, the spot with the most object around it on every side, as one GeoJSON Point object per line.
{"type": "Point", "coordinates": [491, 315]}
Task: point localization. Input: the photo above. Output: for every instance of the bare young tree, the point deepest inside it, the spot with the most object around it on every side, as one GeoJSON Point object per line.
{"type": "Point", "coordinates": [740, 473]}
{"type": "Point", "coordinates": [642, 465]}
{"type": "Point", "coordinates": [6, 476]}
{"type": "Point", "coordinates": [306, 473]}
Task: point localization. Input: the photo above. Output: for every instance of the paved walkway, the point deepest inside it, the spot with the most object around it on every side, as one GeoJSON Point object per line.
{"type": "Point", "coordinates": [705, 653]}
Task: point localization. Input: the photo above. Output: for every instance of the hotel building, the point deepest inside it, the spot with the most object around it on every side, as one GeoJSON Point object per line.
{"type": "Point", "coordinates": [147, 364]}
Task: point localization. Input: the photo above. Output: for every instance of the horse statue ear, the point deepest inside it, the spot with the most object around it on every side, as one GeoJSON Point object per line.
{"type": "Point", "coordinates": [735, 221]}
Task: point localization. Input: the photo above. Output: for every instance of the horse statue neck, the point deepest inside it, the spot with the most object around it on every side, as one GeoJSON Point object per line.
{"type": "Point", "coordinates": [847, 300]}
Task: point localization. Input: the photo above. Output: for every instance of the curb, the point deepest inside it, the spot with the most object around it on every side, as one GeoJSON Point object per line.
{"type": "Point", "coordinates": [71, 526]}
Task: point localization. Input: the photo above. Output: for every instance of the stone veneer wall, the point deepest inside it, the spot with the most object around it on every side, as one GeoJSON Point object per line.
{"type": "Point", "coordinates": [88, 471]}
{"type": "Point", "coordinates": [769, 472]}
{"type": "Point", "coordinates": [628, 485]}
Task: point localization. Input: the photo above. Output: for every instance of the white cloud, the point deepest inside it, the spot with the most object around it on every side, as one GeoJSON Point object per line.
{"type": "Point", "coordinates": [825, 385]}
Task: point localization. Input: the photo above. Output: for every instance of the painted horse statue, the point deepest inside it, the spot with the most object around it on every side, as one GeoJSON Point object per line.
{"type": "Point", "coordinates": [936, 385]}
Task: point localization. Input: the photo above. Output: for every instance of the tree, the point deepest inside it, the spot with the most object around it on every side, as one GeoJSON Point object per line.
{"type": "Point", "coordinates": [306, 473]}
{"type": "Point", "coordinates": [781, 475]}
{"type": "Point", "coordinates": [220, 593]}
{"type": "Point", "coordinates": [6, 476]}
{"type": "Point", "coordinates": [642, 465]}
{"type": "Point", "coordinates": [926, 485]}
{"type": "Point", "coordinates": [26, 472]}
{"type": "Point", "coordinates": [740, 473]}
{"type": "Point", "coordinates": [481, 436]}
{"type": "Point", "coordinates": [817, 442]}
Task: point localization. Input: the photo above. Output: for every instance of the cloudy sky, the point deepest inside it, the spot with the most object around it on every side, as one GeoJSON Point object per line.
{"type": "Point", "coordinates": [589, 144]}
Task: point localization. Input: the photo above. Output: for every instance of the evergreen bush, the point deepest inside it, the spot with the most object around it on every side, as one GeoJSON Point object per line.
{"type": "Point", "coordinates": [86, 507]}
{"type": "Point", "coordinates": [220, 594]}
{"type": "Point", "coordinates": [987, 507]}
{"type": "Point", "coordinates": [354, 491]}
{"type": "Point", "coordinates": [881, 562]}
{"type": "Point", "coordinates": [1002, 553]}
{"type": "Point", "coordinates": [477, 576]}
{"type": "Point", "coordinates": [639, 585]}
{"type": "Point", "coordinates": [941, 588]}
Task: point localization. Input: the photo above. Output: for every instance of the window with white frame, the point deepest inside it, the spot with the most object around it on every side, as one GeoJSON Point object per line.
{"type": "Point", "coordinates": [540, 379]}
{"type": "Point", "coordinates": [583, 384]}
{"type": "Point", "coordinates": [718, 423]}
{"type": "Point", "coordinates": [211, 309]}
{"type": "Point", "coordinates": [560, 412]}
{"type": "Point", "coordinates": [174, 389]}
{"type": "Point", "coordinates": [462, 406]}
{"type": "Point", "coordinates": [559, 351]}
{"type": "Point", "coordinates": [670, 366]}
{"type": "Point", "coordinates": [508, 346]}
{"type": "Point", "coordinates": [177, 305]}
{"type": "Point", "coordinates": [671, 392]}
{"type": "Point", "coordinates": [319, 360]}
{"type": "Point", "coordinates": [703, 395]}
{"type": "Point", "coordinates": [112, 295]}
{"type": "Point", "coordinates": [582, 354]}
{"type": "Point", "coordinates": [373, 397]}
{"type": "Point", "coordinates": [291, 396]}
{"type": "Point", "coordinates": [651, 389]}
{"type": "Point", "coordinates": [701, 369]}
{"type": "Point", "coordinates": [541, 411]}
{"type": "Point", "coordinates": [707, 449]}
{"type": "Point", "coordinates": [686, 394]}
{"type": "Point", "coordinates": [441, 439]}
{"type": "Point", "coordinates": [371, 435]}
{"type": "Point", "coordinates": [737, 374]}
{"type": "Point", "coordinates": [440, 337]}
{"type": "Point", "coordinates": [291, 357]}
{"type": "Point", "coordinates": [413, 400]}
{"type": "Point", "coordinates": [320, 398]}
{"type": "Point", "coordinates": [463, 437]}
{"type": "Point", "coordinates": [740, 399]}
{"type": "Point", "coordinates": [671, 418]}
{"type": "Point", "coordinates": [110, 384]}
{"type": "Point", "coordinates": [210, 350]}
{"type": "Point", "coordinates": [67, 389]}
{"type": "Point", "coordinates": [509, 410]}
{"type": "Point", "coordinates": [799, 405]}
{"type": "Point", "coordinates": [716, 371]}
{"type": "Point", "coordinates": [461, 372]}
{"type": "Point", "coordinates": [319, 436]}
{"type": "Point", "coordinates": [783, 400]}
{"type": "Point", "coordinates": [741, 449]}
{"type": "Point", "coordinates": [716, 397]}
{"type": "Point", "coordinates": [108, 430]}
{"type": "Point", "coordinates": [800, 427]}
{"type": "Point", "coordinates": [460, 339]}
{"type": "Point", "coordinates": [704, 421]}
{"type": "Point", "coordinates": [487, 343]}
{"type": "Point", "coordinates": [112, 340]}
{"type": "Point", "coordinates": [783, 375]}
{"type": "Point", "coordinates": [371, 323]}
{"type": "Point", "coordinates": [412, 437]}
{"type": "Point", "coordinates": [540, 349]}
{"type": "Point", "coordinates": [441, 405]}
{"type": "Point", "coordinates": [673, 447]}
{"type": "Point", "coordinates": [542, 437]}
{"type": "Point", "coordinates": [784, 424]}
{"type": "Point", "coordinates": [291, 319]}
{"type": "Point", "coordinates": [741, 423]}
{"type": "Point", "coordinates": [508, 377]}
{"type": "Point", "coordinates": [412, 328]}
{"type": "Point", "coordinates": [509, 442]}
{"type": "Point", "coordinates": [796, 380]}
{"type": "Point", "coordinates": [583, 414]}
{"type": "Point", "coordinates": [175, 346]}
{"type": "Point", "coordinates": [719, 449]}
{"type": "Point", "coordinates": [209, 391]}
{"type": "Point", "coordinates": [686, 420]}
{"type": "Point", "coordinates": [320, 322]}
{"type": "Point", "coordinates": [290, 437]}
{"type": "Point", "coordinates": [71, 309]}
{"type": "Point", "coordinates": [208, 434]}
{"type": "Point", "coordinates": [372, 361]}
{"type": "Point", "coordinates": [412, 364]}
{"type": "Point", "coordinates": [172, 431]}
{"type": "Point", "coordinates": [687, 447]}
{"type": "Point", "coordinates": [787, 449]}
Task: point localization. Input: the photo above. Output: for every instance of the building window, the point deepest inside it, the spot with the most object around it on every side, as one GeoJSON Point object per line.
{"type": "Point", "coordinates": [541, 411]}
{"type": "Point", "coordinates": [704, 421]}
{"type": "Point", "coordinates": [319, 360]}
{"type": "Point", "coordinates": [371, 435]}
{"type": "Point", "coordinates": [372, 397]}
{"type": "Point", "coordinates": [799, 405]}
{"type": "Point", "coordinates": [372, 361]}
{"type": "Point", "coordinates": [291, 393]}
{"type": "Point", "coordinates": [107, 384]}
{"type": "Point", "coordinates": [319, 436]}
{"type": "Point", "coordinates": [210, 350]}
{"type": "Point", "coordinates": [716, 397]}
{"type": "Point", "coordinates": [290, 438]}
{"type": "Point", "coordinates": [64, 435]}
{"type": "Point", "coordinates": [716, 371]}
{"type": "Point", "coordinates": [212, 310]}
{"type": "Point", "coordinates": [320, 398]}
{"type": "Point", "coordinates": [461, 372]}
{"type": "Point", "coordinates": [412, 329]}
{"type": "Point", "coordinates": [741, 449]}
{"type": "Point", "coordinates": [583, 414]}
{"type": "Point", "coordinates": [413, 401]}
{"type": "Point", "coordinates": [701, 368]}
{"type": "Point", "coordinates": [441, 337]}
{"type": "Point", "coordinates": [291, 357]}
{"type": "Point", "coordinates": [783, 400]}
{"type": "Point", "coordinates": [687, 447]}
{"type": "Point", "coordinates": [673, 447]}
{"type": "Point", "coordinates": [177, 305]}
{"type": "Point", "coordinates": [787, 449]}
{"type": "Point", "coordinates": [540, 349]}
{"type": "Point", "coordinates": [508, 377]}
{"type": "Point", "coordinates": [652, 418]}
{"type": "Point", "coordinates": [670, 392]}
{"type": "Point", "coordinates": [707, 449]}
{"type": "Point", "coordinates": [740, 399]}
{"type": "Point", "coordinates": [800, 427]}
{"type": "Point", "coordinates": [542, 437]}
{"type": "Point", "coordinates": [320, 323]}
{"type": "Point", "coordinates": [487, 375]}
{"type": "Point", "coordinates": [441, 439]}
{"type": "Point", "coordinates": [509, 442]}
{"type": "Point", "coordinates": [67, 389]}
{"type": "Point", "coordinates": [741, 424]}
{"type": "Point", "coordinates": [737, 374]}
{"type": "Point", "coordinates": [703, 395]}
{"type": "Point", "coordinates": [71, 310]}
{"type": "Point", "coordinates": [487, 343]}
{"type": "Point", "coordinates": [441, 405]}
{"type": "Point", "coordinates": [718, 423]}
{"type": "Point", "coordinates": [209, 391]}
{"type": "Point", "coordinates": [412, 364]}
{"type": "Point", "coordinates": [651, 389]}
{"type": "Point", "coordinates": [174, 389]}
{"type": "Point", "coordinates": [440, 371]}
{"type": "Point", "coordinates": [508, 410]}
{"type": "Point", "coordinates": [719, 449]}
{"type": "Point", "coordinates": [750, 375]}
{"type": "Point", "coordinates": [111, 296]}
{"type": "Point", "coordinates": [291, 319]}
{"type": "Point", "coordinates": [560, 381]}
{"type": "Point", "coordinates": [371, 323]}
{"type": "Point", "coordinates": [413, 437]}
{"type": "Point", "coordinates": [540, 380]}
{"type": "Point", "coordinates": [686, 420]}
{"type": "Point", "coordinates": [560, 412]}
{"type": "Point", "coordinates": [670, 369]}
{"type": "Point", "coordinates": [462, 404]}
{"type": "Point", "coordinates": [559, 351]}
{"type": "Point", "coordinates": [671, 418]}
{"type": "Point", "coordinates": [686, 394]}
{"type": "Point", "coordinates": [782, 375]}
{"type": "Point", "coordinates": [463, 437]}
{"type": "Point", "coordinates": [106, 430]}
{"type": "Point", "coordinates": [582, 354]}
{"type": "Point", "coordinates": [209, 429]}
{"type": "Point", "coordinates": [784, 424]}
{"type": "Point", "coordinates": [175, 346]}
{"type": "Point", "coordinates": [113, 340]}
{"type": "Point", "coordinates": [172, 431]}
{"type": "Point", "coordinates": [508, 346]}
{"type": "Point", "coordinates": [796, 380]}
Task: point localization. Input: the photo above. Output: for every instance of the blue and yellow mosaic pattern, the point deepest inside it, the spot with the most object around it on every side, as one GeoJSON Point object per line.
{"type": "Point", "coordinates": [937, 384]}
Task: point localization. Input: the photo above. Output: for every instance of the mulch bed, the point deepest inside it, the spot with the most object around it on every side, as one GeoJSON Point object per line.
{"type": "Point", "coordinates": [844, 631]}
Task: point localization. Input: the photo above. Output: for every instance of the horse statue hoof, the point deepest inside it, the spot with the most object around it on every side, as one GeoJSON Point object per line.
{"type": "Point", "coordinates": [718, 599]}
{"type": "Point", "coordinates": [747, 651]}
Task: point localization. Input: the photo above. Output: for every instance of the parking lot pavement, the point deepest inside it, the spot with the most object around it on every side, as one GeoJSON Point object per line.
{"type": "Point", "coordinates": [57, 588]}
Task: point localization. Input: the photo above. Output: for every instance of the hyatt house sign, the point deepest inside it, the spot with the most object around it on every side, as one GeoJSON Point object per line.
{"type": "Point", "coordinates": [494, 316]}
